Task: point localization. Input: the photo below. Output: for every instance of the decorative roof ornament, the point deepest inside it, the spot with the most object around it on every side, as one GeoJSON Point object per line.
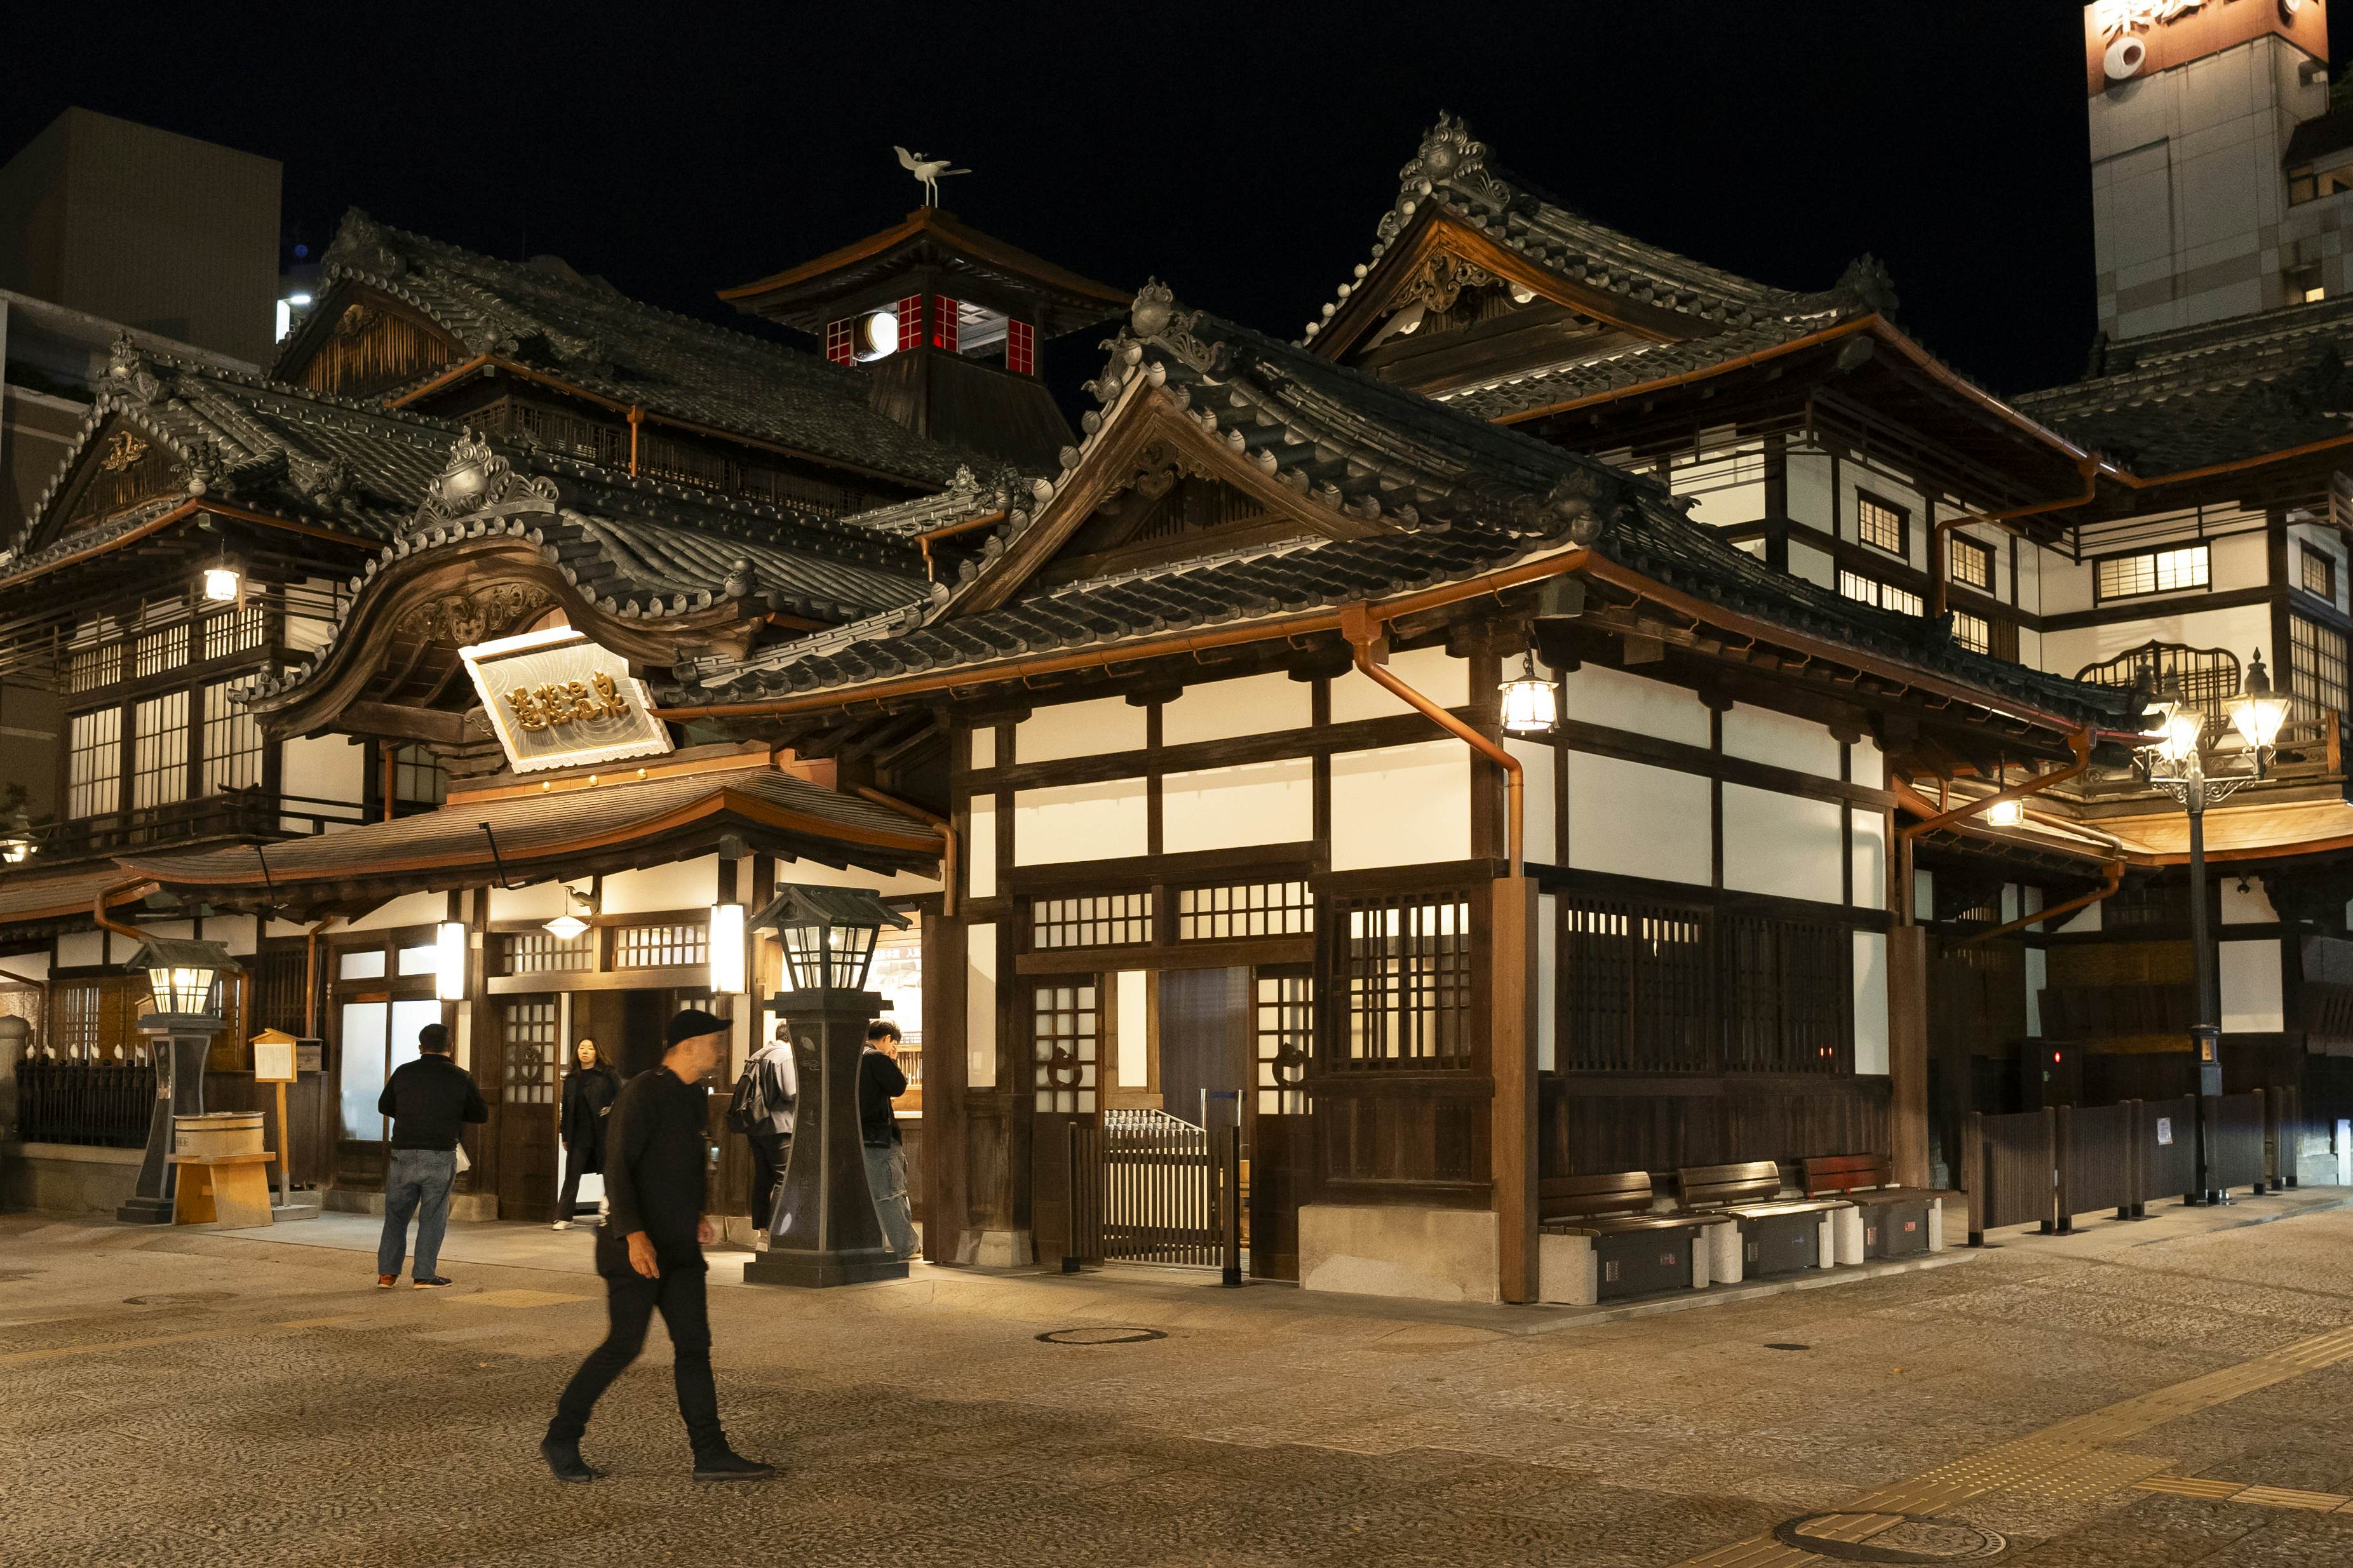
{"type": "Point", "coordinates": [479, 482]}
{"type": "Point", "coordinates": [360, 246]}
{"type": "Point", "coordinates": [127, 365]}
{"type": "Point", "coordinates": [1865, 287]}
{"type": "Point", "coordinates": [928, 172]}
{"type": "Point", "coordinates": [1156, 314]}
{"type": "Point", "coordinates": [1451, 158]}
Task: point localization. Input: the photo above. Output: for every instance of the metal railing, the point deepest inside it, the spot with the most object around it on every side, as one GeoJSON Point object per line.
{"type": "Point", "coordinates": [109, 1103]}
{"type": "Point", "coordinates": [234, 815]}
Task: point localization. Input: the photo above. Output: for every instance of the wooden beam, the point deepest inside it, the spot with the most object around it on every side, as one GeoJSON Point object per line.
{"type": "Point", "coordinates": [405, 723]}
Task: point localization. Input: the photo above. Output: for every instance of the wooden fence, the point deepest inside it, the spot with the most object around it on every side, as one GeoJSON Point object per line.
{"type": "Point", "coordinates": [109, 1103]}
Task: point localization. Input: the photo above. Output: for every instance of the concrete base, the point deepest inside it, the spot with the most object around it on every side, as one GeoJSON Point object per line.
{"type": "Point", "coordinates": [69, 1178]}
{"type": "Point", "coordinates": [1426, 1254]}
{"type": "Point", "coordinates": [468, 1208]}
{"type": "Point", "coordinates": [1846, 1237]}
{"type": "Point", "coordinates": [997, 1250]}
{"type": "Point", "coordinates": [819, 1269]}
{"type": "Point", "coordinates": [304, 1206]}
{"type": "Point", "coordinates": [1726, 1266]}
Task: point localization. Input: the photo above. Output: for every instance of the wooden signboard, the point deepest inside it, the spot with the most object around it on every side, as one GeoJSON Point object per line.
{"type": "Point", "coordinates": [276, 1057]}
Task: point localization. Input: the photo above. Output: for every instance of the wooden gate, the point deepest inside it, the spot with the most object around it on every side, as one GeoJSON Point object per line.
{"type": "Point", "coordinates": [530, 1071]}
{"type": "Point", "coordinates": [1161, 1187]}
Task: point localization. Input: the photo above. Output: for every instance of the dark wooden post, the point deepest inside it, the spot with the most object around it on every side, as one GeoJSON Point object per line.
{"type": "Point", "coordinates": [1973, 1172]}
{"type": "Point", "coordinates": [1908, 1054]}
{"type": "Point", "coordinates": [2063, 1170]}
{"type": "Point", "coordinates": [2291, 1133]}
{"type": "Point", "coordinates": [2263, 1125]}
{"type": "Point", "coordinates": [2049, 1164]}
{"type": "Point", "coordinates": [1232, 1201]}
{"type": "Point", "coordinates": [2135, 1163]}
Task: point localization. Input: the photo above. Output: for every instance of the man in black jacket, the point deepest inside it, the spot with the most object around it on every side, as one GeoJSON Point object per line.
{"type": "Point", "coordinates": [881, 1080]}
{"type": "Point", "coordinates": [657, 1160]}
{"type": "Point", "coordinates": [430, 1102]}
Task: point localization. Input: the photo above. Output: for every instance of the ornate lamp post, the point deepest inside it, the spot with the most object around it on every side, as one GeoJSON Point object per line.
{"type": "Point", "coordinates": [186, 978]}
{"type": "Point", "coordinates": [825, 1231]}
{"type": "Point", "coordinates": [2175, 759]}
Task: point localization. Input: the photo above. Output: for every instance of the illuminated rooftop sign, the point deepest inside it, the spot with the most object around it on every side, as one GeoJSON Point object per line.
{"type": "Point", "coordinates": [2125, 40]}
{"type": "Point", "coordinates": [556, 699]}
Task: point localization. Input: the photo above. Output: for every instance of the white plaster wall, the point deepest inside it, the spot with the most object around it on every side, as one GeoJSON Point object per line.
{"type": "Point", "coordinates": [1401, 806]}
{"type": "Point", "coordinates": [241, 934]}
{"type": "Point", "coordinates": [32, 966]}
{"type": "Point", "coordinates": [1867, 765]}
{"type": "Point", "coordinates": [537, 902]}
{"type": "Point", "coordinates": [325, 767]}
{"type": "Point", "coordinates": [2250, 976]}
{"type": "Point", "coordinates": [1870, 1002]}
{"type": "Point", "coordinates": [1253, 705]}
{"type": "Point", "coordinates": [1548, 978]}
{"type": "Point", "coordinates": [408, 909]}
{"type": "Point", "coordinates": [1445, 680]}
{"type": "Point", "coordinates": [2239, 561]}
{"type": "Point", "coordinates": [1228, 808]}
{"type": "Point", "coordinates": [1634, 820]}
{"type": "Point", "coordinates": [679, 885]}
{"type": "Point", "coordinates": [1808, 474]}
{"type": "Point", "coordinates": [2086, 919]}
{"type": "Point", "coordinates": [1537, 783]}
{"type": "Point", "coordinates": [1595, 694]}
{"type": "Point", "coordinates": [1761, 735]}
{"type": "Point", "coordinates": [1079, 729]}
{"type": "Point", "coordinates": [1781, 844]}
{"type": "Point", "coordinates": [898, 884]}
{"type": "Point", "coordinates": [1868, 830]}
{"type": "Point", "coordinates": [1814, 565]}
{"type": "Point", "coordinates": [980, 1005]}
{"type": "Point", "coordinates": [984, 747]}
{"type": "Point", "coordinates": [1105, 821]}
{"type": "Point", "coordinates": [2241, 629]}
{"type": "Point", "coordinates": [2253, 907]}
{"type": "Point", "coordinates": [1134, 1017]}
{"type": "Point", "coordinates": [77, 949]}
{"type": "Point", "coordinates": [980, 849]}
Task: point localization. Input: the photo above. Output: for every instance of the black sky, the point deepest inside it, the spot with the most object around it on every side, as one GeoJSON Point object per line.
{"type": "Point", "coordinates": [1243, 153]}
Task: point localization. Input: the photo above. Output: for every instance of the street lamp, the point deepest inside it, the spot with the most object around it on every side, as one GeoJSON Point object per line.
{"type": "Point", "coordinates": [825, 1230]}
{"type": "Point", "coordinates": [186, 978]}
{"type": "Point", "coordinates": [2174, 758]}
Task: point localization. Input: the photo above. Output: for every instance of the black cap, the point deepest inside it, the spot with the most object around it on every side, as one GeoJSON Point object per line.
{"type": "Point", "coordinates": [694, 1020]}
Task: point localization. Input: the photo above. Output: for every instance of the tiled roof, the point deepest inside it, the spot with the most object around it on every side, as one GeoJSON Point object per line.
{"type": "Point", "coordinates": [1461, 496]}
{"type": "Point", "coordinates": [585, 332]}
{"type": "Point", "coordinates": [1451, 172]}
{"type": "Point", "coordinates": [2212, 392]}
{"type": "Point", "coordinates": [1640, 364]}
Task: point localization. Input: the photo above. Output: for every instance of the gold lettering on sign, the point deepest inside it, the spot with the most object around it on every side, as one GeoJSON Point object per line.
{"type": "Point", "coordinates": [566, 701]}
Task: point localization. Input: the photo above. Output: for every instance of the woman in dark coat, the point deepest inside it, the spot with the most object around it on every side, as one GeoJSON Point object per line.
{"type": "Point", "coordinates": [589, 1090]}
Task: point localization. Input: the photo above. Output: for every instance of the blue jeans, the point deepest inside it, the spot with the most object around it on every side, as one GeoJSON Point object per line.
{"type": "Point", "coordinates": [418, 1183]}
{"type": "Point", "coordinates": [886, 1172]}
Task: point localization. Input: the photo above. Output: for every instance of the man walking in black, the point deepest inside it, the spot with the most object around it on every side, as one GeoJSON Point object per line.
{"type": "Point", "coordinates": [657, 1157]}
{"type": "Point", "coordinates": [429, 1100]}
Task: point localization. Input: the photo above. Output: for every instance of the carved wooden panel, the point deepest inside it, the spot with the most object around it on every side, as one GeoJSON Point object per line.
{"type": "Point", "coordinates": [372, 348]}
{"type": "Point", "coordinates": [124, 469]}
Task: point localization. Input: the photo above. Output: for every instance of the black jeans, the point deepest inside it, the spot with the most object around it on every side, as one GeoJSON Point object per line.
{"type": "Point", "coordinates": [770, 1152]}
{"type": "Point", "coordinates": [629, 1303]}
{"type": "Point", "coordinates": [575, 1165]}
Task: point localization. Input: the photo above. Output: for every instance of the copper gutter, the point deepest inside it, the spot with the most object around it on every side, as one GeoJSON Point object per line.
{"type": "Point", "coordinates": [2080, 742]}
{"type": "Point", "coordinates": [2089, 467]}
{"type": "Point", "coordinates": [2115, 877]}
{"type": "Point", "coordinates": [1361, 624]}
{"type": "Point", "coordinates": [950, 860]}
{"type": "Point", "coordinates": [923, 540]}
{"type": "Point", "coordinates": [108, 922]}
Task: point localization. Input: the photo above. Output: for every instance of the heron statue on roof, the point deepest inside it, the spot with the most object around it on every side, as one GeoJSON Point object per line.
{"type": "Point", "coordinates": [930, 171]}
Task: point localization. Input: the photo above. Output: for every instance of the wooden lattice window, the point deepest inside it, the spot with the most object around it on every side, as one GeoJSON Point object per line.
{"type": "Point", "coordinates": [159, 751]}
{"type": "Point", "coordinates": [1788, 1002]}
{"type": "Point", "coordinates": [660, 946]}
{"type": "Point", "coordinates": [1021, 348]}
{"type": "Point", "coordinates": [166, 647]}
{"type": "Point", "coordinates": [1637, 983]}
{"type": "Point", "coordinates": [418, 776]}
{"type": "Point", "coordinates": [946, 326]}
{"type": "Point", "coordinates": [232, 755]}
{"type": "Point", "coordinates": [2318, 574]}
{"type": "Point", "coordinates": [1972, 563]}
{"type": "Point", "coordinates": [527, 1039]}
{"type": "Point", "coordinates": [1407, 969]}
{"type": "Point", "coordinates": [2316, 667]}
{"type": "Point", "coordinates": [1883, 596]}
{"type": "Point", "coordinates": [544, 953]}
{"type": "Point", "coordinates": [1880, 524]}
{"type": "Point", "coordinates": [2151, 572]}
{"type": "Point", "coordinates": [97, 1019]}
{"type": "Point", "coordinates": [238, 630]}
{"type": "Point", "coordinates": [1066, 1032]}
{"type": "Point", "coordinates": [841, 341]}
{"type": "Point", "coordinates": [1972, 632]}
{"type": "Point", "coordinates": [1105, 920]}
{"type": "Point", "coordinates": [1245, 909]}
{"type": "Point", "coordinates": [910, 322]}
{"type": "Point", "coordinates": [94, 658]}
{"type": "Point", "coordinates": [1284, 1038]}
{"type": "Point", "coordinates": [94, 762]}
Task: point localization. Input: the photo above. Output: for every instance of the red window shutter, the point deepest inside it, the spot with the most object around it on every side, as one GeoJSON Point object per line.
{"type": "Point", "coordinates": [1021, 348]}
{"type": "Point", "coordinates": [944, 323]}
{"type": "Point", "coordinates": [911, 321]}
{"type": "Point", "coordinates": [838, 348]}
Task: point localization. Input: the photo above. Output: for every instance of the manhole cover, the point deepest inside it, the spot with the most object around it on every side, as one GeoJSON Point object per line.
{"type": "Point", "coordinates": [180, 1298]}
{"type": "Point", "coordinates": [1889, 1538]}
{"type": "Point", "coordinates": [1098, 1336]}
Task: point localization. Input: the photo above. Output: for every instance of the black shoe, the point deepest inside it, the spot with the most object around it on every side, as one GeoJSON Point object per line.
{"type": "Point", "coordinates": [431, 1282]}
{"type": "Point", "coordinates": [731, 1465]}
{"type": "Point", "coordinates": [564, 1461]}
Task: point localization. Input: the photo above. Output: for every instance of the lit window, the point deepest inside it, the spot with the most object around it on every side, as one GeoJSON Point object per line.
{"type": "Point", "coordinates": [946, 324]}
{"type": "Point", "coordinates": [2151, 572]}
{"type": "Point", "coordinates": [94, 763]}
{"type": "Point", "coordinates": [2316, 667]}
{"type": "Point", "coordinates": [1021, 348]}
{"type": "Point", "coordinates": [1878, 524]}
{"type": "Point", "coordinates": [159, 757]}
{"type": "Point", "coordinates": [840, 341]}
{"type": "Point", "coordinates": [1972, 563]}
{"type": "Point", "coordinates": [1884, 595]}
{"type": "Point", "coordinates": [2319, 574]}
{"type": "Point", "coordinates": [1972, 632]}
{"type": "Point", "coordinates": [232, 756]}
{"type": "Point", "coordinates": [910, 322]}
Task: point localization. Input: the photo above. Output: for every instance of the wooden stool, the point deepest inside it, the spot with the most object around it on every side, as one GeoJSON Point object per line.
{"type": "Point", "coordinates": [232, 1190]}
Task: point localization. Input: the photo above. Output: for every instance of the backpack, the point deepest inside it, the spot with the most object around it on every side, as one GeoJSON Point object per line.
{"type": "Point", "coordinates": [747, 1109]}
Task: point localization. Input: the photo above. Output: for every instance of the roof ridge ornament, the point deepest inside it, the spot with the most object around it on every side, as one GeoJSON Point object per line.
{"type": "Point", "coordinates": [1450, 156]}
{"type": "Point", "coordinates": [928, 172]}
{"type": "Point", "coordinates": [479, 482]}
{"type": "Point", "coordinates": [1157, 315]}
{"type": "Point", "coordinates": [1866, 288]}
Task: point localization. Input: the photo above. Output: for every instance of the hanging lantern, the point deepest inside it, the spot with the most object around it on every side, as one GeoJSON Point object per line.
{"type": "Point", "coordinates": [222, 584]}
{"type": "Point", "coordinates": [724, 942]}
{"type": "Point", "coordinates": [2005, 814]}
{"type": "Point", "coordinates": [571, 924]}
{"type": "Point", "coordinates": [828, 933]}
{"type": "Point", "coordinates": [185, 976]}
{"type": "Point", "coordinates": [2258, 712]}
{"type": "Point", "coordinates": [1531, 704]}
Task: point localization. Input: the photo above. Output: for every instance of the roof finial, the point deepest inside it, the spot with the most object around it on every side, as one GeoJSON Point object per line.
{"type": "Point", "coordinates": [928, 172]}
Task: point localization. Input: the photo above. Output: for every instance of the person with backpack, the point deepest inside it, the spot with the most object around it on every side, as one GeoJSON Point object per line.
{"type": "Point", "coordinates": [768, 1097]}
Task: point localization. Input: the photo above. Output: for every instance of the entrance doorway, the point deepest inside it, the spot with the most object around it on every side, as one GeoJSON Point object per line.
{"type": "Point", "coordinates": [377, 1034]}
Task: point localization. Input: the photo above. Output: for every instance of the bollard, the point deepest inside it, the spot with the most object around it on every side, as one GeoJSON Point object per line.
{"type": "Point", "coordinates": [1973, 1172]}
{"type": "Point", "coordinates": [1071, 1258]}
{"type": "Point", "coordinates": [1233, 1197]}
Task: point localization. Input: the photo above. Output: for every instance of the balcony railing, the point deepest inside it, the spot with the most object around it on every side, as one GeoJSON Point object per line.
{"type": "Point", "coordinates": [235, 814]}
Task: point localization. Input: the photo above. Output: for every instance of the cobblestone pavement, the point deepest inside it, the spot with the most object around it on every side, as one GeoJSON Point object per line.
{"type": "Point", "coordinates": [2174, 1392]}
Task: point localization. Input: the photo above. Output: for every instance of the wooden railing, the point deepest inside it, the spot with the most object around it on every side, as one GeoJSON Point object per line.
{"type": "Point", "coordinates": [237, 815]}
{"type": "Point", "coordinates": [101, 1102]}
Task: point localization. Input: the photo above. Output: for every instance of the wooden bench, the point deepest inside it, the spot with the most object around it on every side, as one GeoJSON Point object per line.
{"type": "Point", "coordinates": [1892, 1221]}
{"type": "Point", "coordinates": [1777, 1235]}
{"type": "Point", "coordinates": [1600, 1240]}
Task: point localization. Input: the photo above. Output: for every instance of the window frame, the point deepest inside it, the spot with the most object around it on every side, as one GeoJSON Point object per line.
{"type": "Point", "coordinates": [2308, 558]}
{"type": "Point", "coordinates": [2100, 563]}
{"type": "Point", "coordinates": [1903, 516]}
{"type": "Point", "coordinates": [1957, 548]}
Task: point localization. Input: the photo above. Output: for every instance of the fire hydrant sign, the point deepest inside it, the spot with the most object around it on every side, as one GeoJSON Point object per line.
{"type": "Point", "coordinates": [556, 699]}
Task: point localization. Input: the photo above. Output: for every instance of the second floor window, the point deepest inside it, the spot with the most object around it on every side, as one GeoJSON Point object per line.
{"type": "Point", "coordinates": [1972, 564]}
{"type": "Point", "coordinates": [1879, 523]}
{"type": "Point", "coordinates": [1883, 595]}
{"type": "Point", "coordinates": [2151, 572]}
{"type": "Point", "coordinates": [1972, 632]}
{"type": "Point", "coordinates": [2316, 667]}
{"type": "Point", "coordinates": [94, 762]}
{"type": "Point", "coordinates": [2319, 574]}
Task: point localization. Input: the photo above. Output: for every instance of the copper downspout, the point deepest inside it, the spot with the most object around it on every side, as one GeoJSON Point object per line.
{"type": "Point", "coordinates": [108, 922]}
{"type": "Point", "coordinates": [637, 419]}
{"type": "Point", "coordinates": [950, 860]}
{"type": "Point", "coordinates": [2080, 742]}
{"type": "Point", "coordinates": [1921, 805]}
{"type": "Point", "coordinates": [1362, 626]}
{"type": "Point", "coordinates": [2088, 466]}
{"type": "Point", "coordinates": [2115, 877]}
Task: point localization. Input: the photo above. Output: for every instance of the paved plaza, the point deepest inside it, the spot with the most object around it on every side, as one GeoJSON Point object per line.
{"type": "Point", "coordinates": [2171, 1392]}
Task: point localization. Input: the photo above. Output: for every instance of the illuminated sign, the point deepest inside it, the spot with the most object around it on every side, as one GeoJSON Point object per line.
{"type": "Point", "coordinates": [2127, 40]}
{"type": "Point", "coordinates": [556, 699]}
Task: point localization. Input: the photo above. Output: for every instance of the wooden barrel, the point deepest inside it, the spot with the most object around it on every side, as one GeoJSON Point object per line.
{"type": "Point", "coordinates": [216, 1133]}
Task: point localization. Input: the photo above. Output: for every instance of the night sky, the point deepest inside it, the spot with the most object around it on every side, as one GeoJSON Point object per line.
{"type": "Point", "coordinates": [1242, 154]}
